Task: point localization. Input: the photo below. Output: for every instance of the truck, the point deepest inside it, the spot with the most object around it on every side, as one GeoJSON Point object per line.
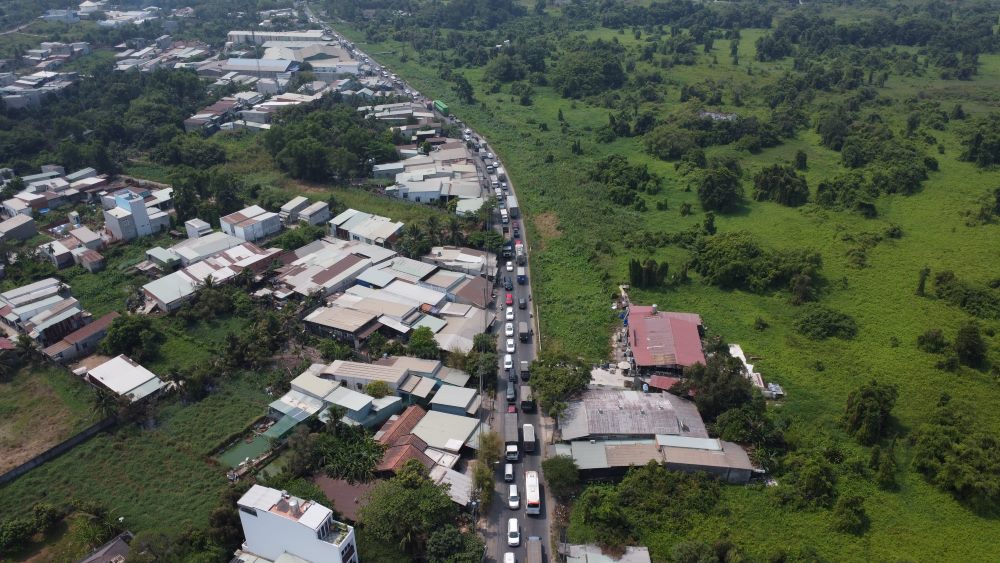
{"type": "Point", "coordinates": [528, 438]}
{"type": "Point", "coordinates": [501, 173]}
{"type": "Point", "coordinates": [527, 402]}
{"type": "Point", "coordinates": [522, 331]}
{"type": "Point", "coordinates": [519, 254]}
{"type": "Point", "coordinates": [441, 107]}
{"type": "Point", "coordinates": [510, 436]}
{"type": "Point", "coordinates": [533, 550]}
{"type": "Point", "coordinates": [504, 216]}
{"type": "Point", "coordinates": [515, 211]}
{"type": "Point", "coordinates": [522, 275]}
{"type": "Point", "coordinates": [525, 373]}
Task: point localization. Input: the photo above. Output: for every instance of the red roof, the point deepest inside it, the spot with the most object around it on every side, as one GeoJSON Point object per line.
{"type": "Point", "coordinates": [93, 328]}
{"type": "Point", "coordinates": [663, 338]}
{"type": "Point", "coordinates": [663, 382]}
{"type": "Point", "coordinates": [396, 429]}
{"type": "Point", "coordinates": [346, 498]}
{"type": "Point", "coordinates": [6, 344]}
{"type": "Point", "coordinates": [396, 456]}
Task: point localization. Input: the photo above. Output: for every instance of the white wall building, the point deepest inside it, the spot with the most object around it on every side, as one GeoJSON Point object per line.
{"type": "Point", "coordinates": [131, 219]}
{"type": "Point", "coordinates": [251, 224]}
{"type": "Point", "coordinates": [277, 525]}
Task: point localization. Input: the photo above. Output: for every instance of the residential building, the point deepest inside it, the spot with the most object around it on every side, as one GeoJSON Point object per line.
{"type": "Point", "coordinates": [316, 214]}
{"type": "Point", "coordinates": [173, 290]}
{"type": "Point", "coordinates": [289, 212]}
{"type": "Point", "coordinates": [326, 266]}
{"type": "Point", "coordinates": [130, 218]}
{"type": "Point", "coordinates": [448, 432]}
{"type": "Point", "coordinates": [81, 342]}
{"type": "Point", "coordinates": [114, 551]}
{"type": "Point", "coordinates": [18, 227]}
{"type": "Point", "coordinates": [197, 228]}
{"type": "Point", "coordinates": [207, 244]}
{"type": "Point", "coordinates": [346, 325]}
{"type": "Point", "coordinates": [278, 526]}
{"type": "Point", "coordinates": [456, 400]}
{"type": "Point", "coordinates": [251, 224]}
{"type": "Point", "coordinates": [124, 377]}
{"type": "Point", "coordinates": [466, 260]}
{"type": "Point", "coordinates": [365, 227]}
{"type": "Point", "coordinates": [663, 341]}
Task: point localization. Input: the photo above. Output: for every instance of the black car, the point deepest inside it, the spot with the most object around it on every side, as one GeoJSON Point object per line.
{"type": "Point", "coordinates": [517, 232]}
{"type": "Point", "coordinates": [522, 303]}
{"type": "Point", "coordinates": [507, 284]}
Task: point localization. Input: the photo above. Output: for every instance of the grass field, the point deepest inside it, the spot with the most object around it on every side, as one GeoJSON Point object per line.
{"type": "Point", "coordinates": [39, 407]}
{"type": "Point", "coordinates": [573, 283]}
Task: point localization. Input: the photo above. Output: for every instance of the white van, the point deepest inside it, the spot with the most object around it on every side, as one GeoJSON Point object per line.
{"type": "Point", "coordinates": [509, 558]}
{"type": "Point", "coordinates": [513, 499]}
{"type": "Point", "coordinates": [513, 533]}
{"type": "Point", "coordinates": [508, 472]}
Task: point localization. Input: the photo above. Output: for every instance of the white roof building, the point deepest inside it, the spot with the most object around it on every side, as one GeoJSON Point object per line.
{"type": "Point", "coordinates": [124, 377]}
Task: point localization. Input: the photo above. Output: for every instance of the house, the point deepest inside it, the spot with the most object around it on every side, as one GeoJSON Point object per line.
{"type": "Point", "coordinates": [207, 244]}
{"type": "Point", "coordinates": [465, 260]}
{"type": "Point", "coordinates": [433, 369]}
{"type": "Point", "coordinates": [61, 16]}
{"type": "Point", "coordinates": [278, 526]}
{"type": "Point", "coordinates": [259, 37]}
{"type": "Point", "coordinates": [365, 227]}
{"type": "Point", "coordinates": [346, 325]}
{"type": "Point", "coordinates": [130, 218]}
{"type": "Point", "coordinates": [326, 266]}
{"type": "Point", "coordinates": [124, 377]}
{"type": "Point", "coordinates": [289, 212]}
{"type": "Point", "coordinates": [18, 227]}
{"type": "Point", "coordinates": [81, 342]}
{"type": "Point", "coordinates": [316, 214]}
{"type": "Point", "coordinates": [78, 247]}
{"type": "Point", "coordinates": [116, 550]}
{"type": "Point", "coordinates": [59, 317]}
{"type": "Point", "coordinates": [173, 290]}
{"type": "Point", "coordinates": [576, 553]}
{"type": "Point", "coordinates": [456, 400]}
{"type": "Point", "coordinates": [251, 224]}
{"type": "Point", "coordinates": [448, 432]}
{"type": "Point", "coordinates": [663, 341]}
{"type": "Point", "coordinates": [607, 431]}
{"type": "Point", "coordinates": [197, 228]}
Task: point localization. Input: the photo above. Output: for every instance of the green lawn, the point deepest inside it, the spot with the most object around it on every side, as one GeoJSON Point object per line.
{"type": "Point", "coordinates": [573, 282]}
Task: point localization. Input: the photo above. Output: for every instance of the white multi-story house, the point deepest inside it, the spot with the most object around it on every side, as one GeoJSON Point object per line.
{"type": "Point", "coordinates": [277, 525]}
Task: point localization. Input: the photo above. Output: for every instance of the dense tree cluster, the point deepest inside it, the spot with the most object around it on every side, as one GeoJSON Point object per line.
{"type": "Point", "coordinates": [648, 274]}
{"type": "Point", "coordinates": [979, 301]}
{"type": "Point", "coordinates": [586, 68]}
{"type": "Point", "coordinates": [957, 457]}
{"type": "Point", "coordinates": [624, 181]}
{"type": "Point", "coordinates": [555, 378]}
{"type": "Point", "coordinates": [780, 184]}
{"type": "Point", "coordinates": [736, 260]}
{"type": "Point", "coordinates": [718, 385]}
{"type": "Point", "coordinates": [328, 140]}
{"type": "Point", "coordinates": [132, 335]}
{"type": "Point", "coordinates": [650, 498]}
{"type": "Point", "coordinates": [819, 322]}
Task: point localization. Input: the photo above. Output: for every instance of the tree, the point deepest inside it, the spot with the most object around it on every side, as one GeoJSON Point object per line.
{"type": "Point", "coordinates": [555, 378]}
{"type": "Point", "coordinates": [718, 385]}
{"type": "Point", "coordinates": [423, 345]}
{"type": "Point", "coordinates": [970, 346]}
{"type": "Point", "coordinates": [378, 389]}
{"type": "Point", "coordinates": [491, 447]}
{"type": "Point", "coordinates": [885, 467]}
{"type": "Point", "coordinates": [868, 411]}
{"type": "Point", "coordinates": [562, 475]}
{"type": "Point", "coordinates": [463, 89]}
{"type": "Point", "coordinates": [720, 189]}
{"type": "Point", "coordinates": [132, 335]}
{"type": "Point", "coordinates": [808, 481]}
{"type": "Point", "coordinates": [407, 509]}
{"type": "Point", "coordinates": [348, 452]}
{"type": "Point", "coordinates": [449, 545]}
{"type": "Point", "coordinates": [801, 160]}
{"type": "Point", "coordinates": [818, 322]}
{"type": "Point", "coordinates": [8, 365]}
{"type": "Point", "coordinates": [932, 341]}
{"type": "Point", "coordinates": [669, 142]}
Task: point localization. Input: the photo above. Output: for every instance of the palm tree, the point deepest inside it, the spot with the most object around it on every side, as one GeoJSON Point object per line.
{"type": "Point", "coordinates": [25, 348]}
{"type": "Point", "coordinates": [434, 229]}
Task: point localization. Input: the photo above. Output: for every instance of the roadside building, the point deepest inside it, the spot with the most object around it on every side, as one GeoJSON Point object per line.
{"type": "Point", "coordinates": [456, 400]}
{"type": "Point", "coordinates": [465, 260]}
{"type": "Point", "coordinates": [280, 527]}
{"type": "Point", "coordinates": [448, 432]}
{"type": "Point", "coordinates": [663, 341]}
{"type": "Point", "coordinates": [576, 553]}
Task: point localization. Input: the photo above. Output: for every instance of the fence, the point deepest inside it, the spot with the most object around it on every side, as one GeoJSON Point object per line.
{"type": "Point", "coordinates": [58, 449]}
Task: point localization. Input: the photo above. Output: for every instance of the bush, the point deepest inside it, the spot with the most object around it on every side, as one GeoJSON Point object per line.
{"type": "Point", "coordinates": [808, 481]}
{"type": "Point", "coordinates": [736, 260]}
{"type": "Point", "coordinates": [780, 184]}
{"type": "Point", "coordinates": [849, 515]}
{"type": "Point", "coordinates": [970, 348]}
{"type": "Point", "coordinates": [868, 411]}
{"type": "Point", "coordinates": [562, 475]}
{"type": "Point", "coordinates": [932, 341]}
{"type": "Point", "coordinates": [818, 322]}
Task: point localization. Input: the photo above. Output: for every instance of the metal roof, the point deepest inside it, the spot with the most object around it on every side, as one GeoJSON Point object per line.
{"type": "Point", "coordinates": [608, 412]}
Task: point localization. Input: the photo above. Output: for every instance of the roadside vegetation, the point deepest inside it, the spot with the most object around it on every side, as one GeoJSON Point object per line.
{"type": "Point", "coordinates": [816, 181]}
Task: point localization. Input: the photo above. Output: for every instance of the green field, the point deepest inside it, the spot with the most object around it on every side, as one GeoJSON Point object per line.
{"type": "Point", "coordinates": [573, 283]}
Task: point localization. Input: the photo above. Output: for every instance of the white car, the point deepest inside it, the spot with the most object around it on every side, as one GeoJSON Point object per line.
{"type": "Point", "coordinates": [508, 362]}
{"type": "Point", "coordinates": [508, 329]}
{"type": "Point", "coordinates": [510, 345]}
{"type": "Point", "coordinates": [513, 499]}
{"type": "Point", "coordinates": [490, 156]}
{"type": "Point", "coordinates": [513, 533]}
{"type": "Point", "coordinates": [509, 314]}
{"type": "Point", "coordinates": [510, 266]}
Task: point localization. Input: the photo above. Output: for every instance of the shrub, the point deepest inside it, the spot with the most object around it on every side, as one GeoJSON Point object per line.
{"type": "Point", "coordinates": [868, 410]}
{"type": "Point", "coordinates": [849, 515]}
{"type": "Point", "coordinates": [932, 341]}
{"type": "Point", "coordinates": [818, 322]}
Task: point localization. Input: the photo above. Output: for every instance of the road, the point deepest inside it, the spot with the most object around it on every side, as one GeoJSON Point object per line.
{"type": "Point", "coordinates": [496, 520]}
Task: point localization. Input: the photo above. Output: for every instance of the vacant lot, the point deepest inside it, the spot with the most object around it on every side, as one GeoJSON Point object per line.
{"type": "Point", "coordinates": [40, 407]}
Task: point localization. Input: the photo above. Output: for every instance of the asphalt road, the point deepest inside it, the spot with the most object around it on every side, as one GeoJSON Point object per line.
{"type": "Point", "coordinates": [496, 520]}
